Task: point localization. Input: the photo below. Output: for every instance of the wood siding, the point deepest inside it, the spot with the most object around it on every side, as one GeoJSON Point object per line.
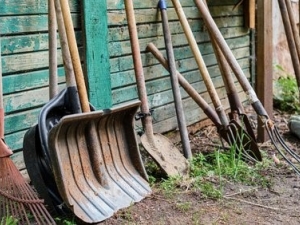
{"type": "Point", "coordinates": [24, 49]}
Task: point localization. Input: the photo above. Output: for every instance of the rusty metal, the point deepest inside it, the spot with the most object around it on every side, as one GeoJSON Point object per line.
{"type": "Point", "coordinates": [161, 149]}
{"type": "Point", "coordinates": [272, 131]}
{"type": "Point", "coordinates": [17, 198]}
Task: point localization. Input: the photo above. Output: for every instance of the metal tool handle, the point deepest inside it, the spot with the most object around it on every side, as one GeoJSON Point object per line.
{"type": "Point", "coordinates": [174, 81]}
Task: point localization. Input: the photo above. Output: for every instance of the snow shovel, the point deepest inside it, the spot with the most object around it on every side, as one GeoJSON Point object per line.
{"type": "Point", "coordinates": [35, 146]}
{"type": "Point", "coordinates": [273, 132]}
{"type": "Point", "coordinates": [174, 80]}
{"type": "Point", "coordinates": [161, 149]}
{"type": "Point", "coordinates": [237, 136]}
{"type": "Point", "coordinates": [94, 155]}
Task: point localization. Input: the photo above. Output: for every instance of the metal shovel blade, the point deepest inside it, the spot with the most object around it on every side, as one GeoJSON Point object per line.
{"type": "Point", "coordinates": [165, 153]}
{"type": "Point", "coordinates": [96, 162]}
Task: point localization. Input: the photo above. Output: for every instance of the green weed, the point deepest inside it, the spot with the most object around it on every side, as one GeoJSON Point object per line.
{"type": "Point", "coordinates": [9, 220]}
{"type": "Point", "coordinates": [286, 92]}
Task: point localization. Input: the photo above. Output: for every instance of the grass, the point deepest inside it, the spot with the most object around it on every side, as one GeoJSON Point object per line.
{"type": "Point", "coordinates": [286, 93]}
{"type": "Point", "coordinates": [210, 172]}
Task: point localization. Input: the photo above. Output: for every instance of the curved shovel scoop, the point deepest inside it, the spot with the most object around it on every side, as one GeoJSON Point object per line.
{"type": "Point", "coordinates": [96, 162]}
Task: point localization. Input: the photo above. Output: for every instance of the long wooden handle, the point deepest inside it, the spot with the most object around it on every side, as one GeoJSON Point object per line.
{"type": "Point", "coordinates": [53, 84]}
{"type": "Point", "coordinates": [1, 99]}
{"type": "Point", "coordinates": [252, 11]}
{"type": "Point", "coordinates": [138, 68]}
{"type": "Point", "coordinates": [200, 62]}
{"type": "Point", "coordinates": [186, 86]}
{"type": "Point", "coordinates": [75, 56]}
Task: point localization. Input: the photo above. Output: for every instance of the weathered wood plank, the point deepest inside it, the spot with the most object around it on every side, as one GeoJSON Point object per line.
{"type": "Point", "coordinates": [21, 7]}
{"type": "Point", "coordinates": [25, 100]}
{"type": "Point", "coordinates": [118, 17]}
{"type": "Point", "coordinates": [125, 62]}
{"type": "Point", "coordinates": [30, 80]}
{"type": "Point", "coordinates": [96, 52]}
{"type": "Point", "coordinates": [155, 71]}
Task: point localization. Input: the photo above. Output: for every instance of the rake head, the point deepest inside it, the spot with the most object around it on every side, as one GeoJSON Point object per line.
{"type": "Point", "coordinates": [18, 201]}
{"type": "Point", "coordinates": [280, 145]}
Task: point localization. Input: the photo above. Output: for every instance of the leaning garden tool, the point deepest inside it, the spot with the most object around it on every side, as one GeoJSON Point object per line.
{"type": "Point", "coordinates": [237, 136]}
{"type": "Point", "coordinates": [288, 21]}
{"type": "Point", "coordinates": [35, 143]}
{"type": "Point", "coordinates": [273, 132]}
{"type": "Point", "coordinates": [174, 81]}
{"type": "Point", "coordinates": [17, 198]}
{"type": "Point", "coordinates": [163, 151]}
{"type": "Point", "coordinates": [211, 114]}
{"type": "Point", "coordinates": [94, 155]}
{"type": "Point", "coordinates": [237, 110]}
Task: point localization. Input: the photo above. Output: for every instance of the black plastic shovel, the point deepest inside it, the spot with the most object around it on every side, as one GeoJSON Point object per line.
{"type": "Point", "coordinates": [35, 143]}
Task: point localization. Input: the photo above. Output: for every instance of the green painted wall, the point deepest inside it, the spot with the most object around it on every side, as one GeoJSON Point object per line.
{"type": "Point", "coordinates": [111, 80]}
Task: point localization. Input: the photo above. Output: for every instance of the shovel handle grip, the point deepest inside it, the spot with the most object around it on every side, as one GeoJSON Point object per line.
{"type": "Point", "coordinates": [75, 56]}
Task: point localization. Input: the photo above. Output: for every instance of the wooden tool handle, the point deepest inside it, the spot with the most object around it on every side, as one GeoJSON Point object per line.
{"type": "Point", "coordinates": [75, 56]}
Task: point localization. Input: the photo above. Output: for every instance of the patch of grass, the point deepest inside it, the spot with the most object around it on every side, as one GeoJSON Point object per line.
{"type": "Point", "coordinates": [209, 171]}
{"type": "Point", "coordinates": [183, 206]}
{"type": "Point", "coordinates": [286, 93]}
{"type": "Point", "coordinates": [9, 220]}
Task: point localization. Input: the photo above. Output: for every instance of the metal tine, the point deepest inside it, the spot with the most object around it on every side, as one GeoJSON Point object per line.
{"type": "Point", "coordinates": [257, 105]}
{"type": "Point", "coordinates": [282, 142]}
{"type": "Point", "coordinates": [245, 152]}
{"type": "Point", "coordinates": [271, 135]}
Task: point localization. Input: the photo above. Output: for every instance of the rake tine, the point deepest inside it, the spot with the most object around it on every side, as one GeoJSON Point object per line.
{"type": "Point", "coordinates": [241, 148]}
{"type": "Point", "coordinates": [282, 142]}
{"type": "Point", "coordinates": [271, 135]}
{"type": "Point", "coordinates": [244, 152]}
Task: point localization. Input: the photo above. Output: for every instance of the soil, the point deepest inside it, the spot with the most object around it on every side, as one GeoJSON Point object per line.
{"type": "Point", "coordinates": [241, 204]}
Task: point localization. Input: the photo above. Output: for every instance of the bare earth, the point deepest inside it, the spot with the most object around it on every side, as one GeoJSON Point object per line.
{"type": "Point", "coordinates": [277, 204]}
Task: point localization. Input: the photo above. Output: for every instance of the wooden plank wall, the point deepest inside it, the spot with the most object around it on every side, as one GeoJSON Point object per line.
{"type": "Point", "coordinates": [24, 49]}
{"type": "Point", "coordinates": [158, 82]}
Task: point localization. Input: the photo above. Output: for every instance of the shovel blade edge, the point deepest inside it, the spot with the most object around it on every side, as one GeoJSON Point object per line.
{"type": "Point", "coordinates": [96, 162]}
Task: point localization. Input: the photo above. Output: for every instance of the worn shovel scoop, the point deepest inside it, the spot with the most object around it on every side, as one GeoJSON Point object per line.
{"type": "Point", "coordinates": [95, 157]}
{"type": "Point", "coordinates": [96, 162]}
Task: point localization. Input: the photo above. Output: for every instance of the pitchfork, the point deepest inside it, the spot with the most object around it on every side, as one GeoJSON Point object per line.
{"type": "Point", "coordinates": [272, 131]}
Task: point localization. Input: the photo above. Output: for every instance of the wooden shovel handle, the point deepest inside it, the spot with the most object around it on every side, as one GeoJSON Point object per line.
{"type": "Point", "coordinates": [75, 56]}
{"type": "Point", "coordinates": [200, 62]}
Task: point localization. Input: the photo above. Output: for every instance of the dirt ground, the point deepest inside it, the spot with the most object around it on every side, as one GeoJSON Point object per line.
{"type": "Point", "coordinates": [241, 204]}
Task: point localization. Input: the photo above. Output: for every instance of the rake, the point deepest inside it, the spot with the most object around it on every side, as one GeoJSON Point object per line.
{"type": "Point", "coordinates": [17, 199]}
{"type": "Point", "coordinates": [272, 130]}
